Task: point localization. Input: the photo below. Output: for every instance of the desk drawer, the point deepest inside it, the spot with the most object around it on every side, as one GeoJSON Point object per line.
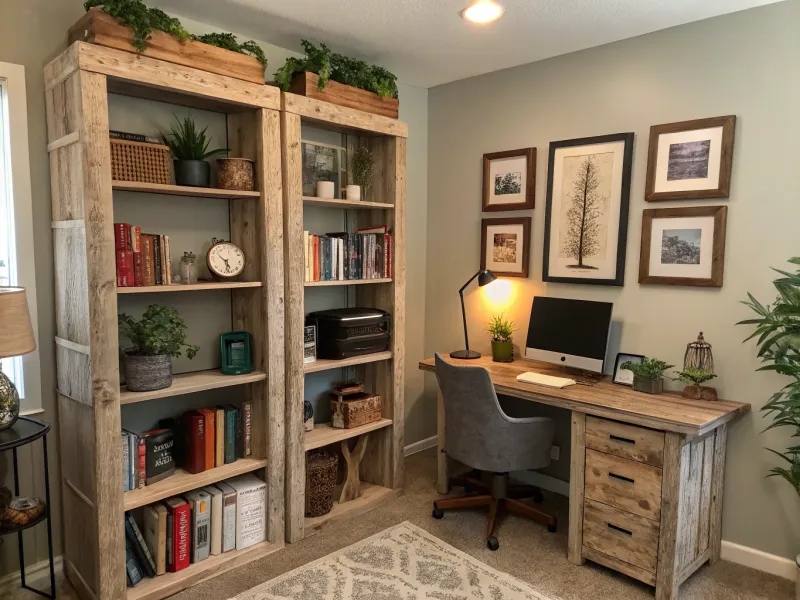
{"type": "Point", "coordinates": [624, 484]}
{"type": "Point", "coordinates": [628, 441]}
{"type": "Point", "coordinates": [622, 535]}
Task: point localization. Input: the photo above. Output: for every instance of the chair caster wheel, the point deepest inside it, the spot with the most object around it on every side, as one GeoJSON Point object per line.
{"type": "Point", "coordinates": [538, 497]}
{"type": "Point", "coordinates": [492, 543]}
{"type": "Point", "coordinates": [437, 512]}
{"type": "Point", "coordinates": [553, 527]}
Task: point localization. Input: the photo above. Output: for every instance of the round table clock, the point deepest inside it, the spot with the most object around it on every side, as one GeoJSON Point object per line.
{"type": "Point", "coordinates": [225, 260]}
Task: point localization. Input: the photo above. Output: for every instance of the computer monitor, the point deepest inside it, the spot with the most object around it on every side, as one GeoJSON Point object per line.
{"type": "Point", "coordinates": [572, 333]}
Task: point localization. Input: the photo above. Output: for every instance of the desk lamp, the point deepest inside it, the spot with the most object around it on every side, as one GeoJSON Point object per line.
{"type": "Point", "coordinates": [485, 277]}
{"type": "Point", "coordinates": [16, 338]}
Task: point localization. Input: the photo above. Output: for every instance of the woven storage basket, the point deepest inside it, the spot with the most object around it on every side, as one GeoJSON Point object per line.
{"type": "Point", "coordinates": [139, 161]}
{"type": "Point", "coordinates": [320, 482]}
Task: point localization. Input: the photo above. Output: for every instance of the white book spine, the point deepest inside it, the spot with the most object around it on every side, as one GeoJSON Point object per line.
{"type": "Point", "coordinates": [228, 517]}
{"type": "Point", "coordinates": [216, 519]}
{"type": "Point", "coordinates": [126, 457]}
{"type": "Point", "coordinates": [250, 520]}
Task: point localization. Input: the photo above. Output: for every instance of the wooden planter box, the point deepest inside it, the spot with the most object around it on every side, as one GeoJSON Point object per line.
{"type": "Point", "coordinates": [101, 28]}
{"type": "Point", "coordinates": [305, 84]}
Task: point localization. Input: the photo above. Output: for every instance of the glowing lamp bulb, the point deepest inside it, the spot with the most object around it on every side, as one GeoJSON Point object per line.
{"type": "Point", "coordinates": [499, 293]}
{"type": "Point", "coordinates": [483, 11]}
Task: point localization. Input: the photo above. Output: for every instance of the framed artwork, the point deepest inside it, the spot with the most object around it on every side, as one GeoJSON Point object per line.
{"type": "Point", "coordinates": [683, 246]}
{"type": "Point", "coordinates": [586, 220]}
{"type": "Point", "coordinates": [509, 180]}
{"type": "Point", "coordinates": [322, 162]}
{"type": "Point", "coordinates": [624, 376]}
{"type": "Point", "coordinates": [505, 246]}
{"type": "Point", "coordinates": [691, 159]}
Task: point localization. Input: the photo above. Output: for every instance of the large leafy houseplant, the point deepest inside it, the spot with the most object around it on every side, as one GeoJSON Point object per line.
{"type": "Point", "coordinates": [778, 330]}
{"type": "Point", "coordinates": [189, 146]}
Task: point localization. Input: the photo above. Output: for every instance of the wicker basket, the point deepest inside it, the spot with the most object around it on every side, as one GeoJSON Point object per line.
{"type": "Point", "coordinates": [139, 161]}
{"type": "Point", "coordinates": [320, 482]}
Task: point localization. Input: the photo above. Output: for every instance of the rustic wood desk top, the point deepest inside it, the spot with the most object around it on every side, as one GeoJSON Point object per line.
{"type": "Point", "coordinates": [667, 412]}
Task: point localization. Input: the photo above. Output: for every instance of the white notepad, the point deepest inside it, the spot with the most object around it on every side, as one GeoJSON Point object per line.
{"type": "Point", "coordinates": [545, 380]}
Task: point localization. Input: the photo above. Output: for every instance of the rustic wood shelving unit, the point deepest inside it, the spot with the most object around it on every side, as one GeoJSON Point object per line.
{"type": "Point", "coordinates": [77, 84]}
{"type": "Point", "coordinates": [382, 466]}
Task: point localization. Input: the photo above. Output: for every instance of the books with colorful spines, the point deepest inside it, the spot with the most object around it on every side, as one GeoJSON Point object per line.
{"type": "Point", "coordinates": [133, 463]}
{"type": "Point", "coordinates": [200, 505]}
{"type": "Point", "coordinates": [306, 255]}
{"type": "Point", "coordinates": [148, 260]}
{"type": "Point", "coordinates": [162, 250]}
{"type": "Point", "coordinates": [156, 258]}
{"type": "Point", "coordinates": [154, 519]}
{"type": "Point", "coordinates": [181, 533]}
{"type": "Point", "coordinates": [135, 238]}
{"type": "Point", "coordinates": [132, 569]}
{"type": "Point", "coordinates": [230, 433]}
{"type": "Point", "coordinates": [316, 258]}
{"type": "Point", "coordinates": [247, 428]}
{"type": "Point", "coordinates": [140, 551]}
{"type": "Point", "coordinates": [159, 454]}
{"type": "Point", "coordinates": [210, 450]}
{"type": "Point", "coordinates": [141, 464]}
{"type": "Point", "coordinates": [215, 502]}
{"type": "Point", "coordinates": [126, 464]}
{"type": "Point", "coordinates": [193, 439]}
{"type": "Point", "coordinates": [251, 500]}
{"type": "Point", "coordinates": [167, 262]}
{"type": "Point", "coordinates": [325, 242]}
{"type": "Point", "coordinates": [138, 269]}
{"type": "Point", "coordinates": [124, 264]}
{"type": "Point", "coordinates": [219, 437]}
{"type": "Point", "coordinates": [228, 516]}
{"type": "Point", "coordinates": [122, 236]}
{"type": "Point", "coordinates": [239, 433]}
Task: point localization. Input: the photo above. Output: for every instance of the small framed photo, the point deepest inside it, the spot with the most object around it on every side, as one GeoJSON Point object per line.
{"type": "Point", "coordinates": [683, 246]}
{"type": "Point", "coordinates": [322, 162]}
{"type": "Point", "coordinates": [505, 246]}
{"type": "Point", "coordinates": [509, 180]}
{"type": "Point", "coordinates": [692, 159]}
{"type": "Point", "coordinates": [624, 376]}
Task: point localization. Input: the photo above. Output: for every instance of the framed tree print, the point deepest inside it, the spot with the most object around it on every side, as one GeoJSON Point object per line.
{"type": "Point", "coordinates": [506, 246]}
{"type": "Point", "coordinates": [586, 220]}
{"type": "Point", "coordinates": [509, 180]}
{"type": "Point", "coordinates": [692, 159]}
{"type": "Point", "coordinates": [683, 246]}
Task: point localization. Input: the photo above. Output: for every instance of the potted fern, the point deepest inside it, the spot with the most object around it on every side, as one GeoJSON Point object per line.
{"type": "Point", "coordinates": [694, 379]}
{"type": "Point", "coordinates": [189, 147]}
{"type": "Point", "coordinates": [363, 165]}
{"type": "Point", "coordinates": [778, 329]}
{"type": "Point", "coordinates": [648, 376]}
{"type": "Point", "coordinates": [501, 330]}
{"type": "Point", "coordinates": [156, 338]}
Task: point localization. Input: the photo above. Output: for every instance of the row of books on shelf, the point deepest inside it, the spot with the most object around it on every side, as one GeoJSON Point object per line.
{"type": "Point", "coordinates": [143, 259]}
{"type": "Point", "coordinates": [168, 536]}
{"type": "Point", "coordinates": [367, 254]}
{"type": "Point", "coordinates": [199, 440]}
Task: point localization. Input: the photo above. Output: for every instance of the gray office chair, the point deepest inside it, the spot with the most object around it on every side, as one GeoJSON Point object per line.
{"type": "Point", "coordinates": [480, 435]}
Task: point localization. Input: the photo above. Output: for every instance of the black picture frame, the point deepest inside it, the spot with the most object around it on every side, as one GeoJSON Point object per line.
{"type": "Point", "coordinates": [626, 356]}
{"type": "Point", "coordinates": [625, 192]}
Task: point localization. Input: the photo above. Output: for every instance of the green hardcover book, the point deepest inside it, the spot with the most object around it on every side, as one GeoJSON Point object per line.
{"type": "Point", "coordinates": [231, 422]}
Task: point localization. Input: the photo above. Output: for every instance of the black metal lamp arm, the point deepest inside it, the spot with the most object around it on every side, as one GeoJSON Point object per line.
{"type": "Point", "coordinates": [463, 309]}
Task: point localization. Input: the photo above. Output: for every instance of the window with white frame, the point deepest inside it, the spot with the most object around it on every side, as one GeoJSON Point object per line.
{"type": "Point", "coordinates": [16, 227]}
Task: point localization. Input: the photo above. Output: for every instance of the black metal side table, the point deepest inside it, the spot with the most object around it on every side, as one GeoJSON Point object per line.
{"type": "Point", "coordinates": [25, 431]}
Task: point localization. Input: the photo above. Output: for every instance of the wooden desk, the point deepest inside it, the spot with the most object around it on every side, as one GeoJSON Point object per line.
{"type": "Point", "coordinates": [646, 473]}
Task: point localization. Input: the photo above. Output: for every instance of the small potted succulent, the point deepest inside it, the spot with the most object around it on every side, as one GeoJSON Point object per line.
{"type": "Point", "coordinates": [363, 165]}
{"type": "Point", "coordinates": [694, 379]}
{"type": "Point", "coordinates": [156, 338]}
{"type": "Point", "coordinates": [502, 346]}
{"type": "Point", "coordinates": [648, 376]}
{"type": "Point", "coordinates": [189, 147]}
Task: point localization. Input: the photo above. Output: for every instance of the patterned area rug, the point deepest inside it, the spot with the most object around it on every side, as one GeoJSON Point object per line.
{"type": "Point", "coordinates": [401, 563]}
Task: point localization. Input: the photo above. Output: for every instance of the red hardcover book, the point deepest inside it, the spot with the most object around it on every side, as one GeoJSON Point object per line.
{"type": "Point", "coordinates": [181, 533]}
{"type": "Point", "coordinates": [136, 238]}
{"type": "Point", "coordinates": [148, 260]}
{"type": "Point", "coordinates": [124, 260]}
{"type": "Point", "coordinates": [141, 462]}
{"type": "Point", "coordinates": [138, 269]}
{"type": "Point", "coordinates": [194, 442]}
{"type": "Point", "coordinates": [122, 236]}
{"type": "Point", "coordinates": [209, 422]}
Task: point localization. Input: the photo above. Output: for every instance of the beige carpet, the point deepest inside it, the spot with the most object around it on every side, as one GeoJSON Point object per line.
{"type": "Point", "coordinates": [402, 563]}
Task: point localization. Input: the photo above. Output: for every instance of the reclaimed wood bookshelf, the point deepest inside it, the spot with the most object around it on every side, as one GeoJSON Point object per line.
{"type": "Point", "coordinates": [90, 397]}
{"type": "Point", "coordinates": [382, 373]}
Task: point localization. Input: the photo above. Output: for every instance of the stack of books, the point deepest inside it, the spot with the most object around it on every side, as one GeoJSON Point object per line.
{"type": "Point", "coordinates": [183, 530]}
{"type": "Point", "coordinates": [367, 254]}
{"type": "Point", "coordinates": [143, 259]}
{"type": "Point", "coordinates": [200, 440]}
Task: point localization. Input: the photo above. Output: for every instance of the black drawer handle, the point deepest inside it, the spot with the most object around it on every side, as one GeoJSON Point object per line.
{"type": "Point", "coordinates": [620, 529]}
{"type": "Point", "coordinates": [616, 438]}
{"type": "Point", "coordinates": [621, 478]}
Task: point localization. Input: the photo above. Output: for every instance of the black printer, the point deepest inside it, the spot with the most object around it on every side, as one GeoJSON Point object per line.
{"type": "Point", "coordinates": [347, 332]}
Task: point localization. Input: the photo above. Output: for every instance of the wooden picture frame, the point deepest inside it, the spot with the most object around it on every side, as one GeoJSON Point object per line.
{"type": "Point", "coordinates": [527, 184]}
{"type": "Point", "coordinates": [500, 262]}
{"type": "Point", "coordinates": [557, 266]}
{"type": "Point", "coordinates": [710, 253]}
{"type": "Point", "coordinates": [705, 175]}
{"type": "Point", "coordinates": [622, 357]}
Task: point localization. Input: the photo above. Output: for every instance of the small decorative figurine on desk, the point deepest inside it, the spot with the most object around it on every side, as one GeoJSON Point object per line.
{"type": "Point", "coordinates": [698, 367]}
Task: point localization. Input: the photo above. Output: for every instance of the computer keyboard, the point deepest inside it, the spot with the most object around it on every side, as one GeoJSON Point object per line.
{"type": "Point", "coordinates": [545, 380]}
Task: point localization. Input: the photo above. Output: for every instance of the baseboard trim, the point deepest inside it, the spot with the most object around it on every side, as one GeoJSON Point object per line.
{"type": "Point", "coordinates": [761, 561]}
{"type": "Point", "coordinates": [36, 572]}
{"type": "Point", "coordinates": [421, 445]}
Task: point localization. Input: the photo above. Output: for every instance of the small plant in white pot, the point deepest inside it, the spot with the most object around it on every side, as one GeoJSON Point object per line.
{"type": "Point", "coordinates": [648, 376]}
{"type": "Point", "coordinates": [501, 330]}
{"type": "Point", "coordinates": [156, 338]}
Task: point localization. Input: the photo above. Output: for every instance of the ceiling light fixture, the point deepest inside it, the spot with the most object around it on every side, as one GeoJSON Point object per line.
{"type": "Point", "coordinates": [483, 11]}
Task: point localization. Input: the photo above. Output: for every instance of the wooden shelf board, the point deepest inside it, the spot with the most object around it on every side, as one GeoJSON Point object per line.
{"type": "Point", "coordinates": [372, 496]}
{"type": "Point", "coordinates": [331, 203]}
{"type": "Point", "coordinates": [188, 383]}
{"type": "Point", "coordinates": [346, 282]}
{"type": "Point", "coordinates": [326, 365]}
{"type": "Point", "coordinates": [155, 588]}
{"type": "Point", "coordinates": [324, 434]}
{"type": "Point", "coordinates": [194, 287]}
{"type": "Point", "coordinates": [182, 190]}
{"type": "Point", "coordinates": [182, 481]}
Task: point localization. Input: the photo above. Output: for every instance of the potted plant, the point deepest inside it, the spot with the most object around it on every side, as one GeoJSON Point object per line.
{"type": "Point", "coordinates": [189, 147]}
{"type": "Point", "coordinates": [778, 329]}
{"type": "Point", "coordinates": [156, 338]}
{"type": "Point", "coordinates": [648, 376]}
{"type": "Point", "coordinates": [694, 379]}
{"type": "Point", "coordinates": [502, 346]}
{"type": "Point", "coordinates": [363, 165]}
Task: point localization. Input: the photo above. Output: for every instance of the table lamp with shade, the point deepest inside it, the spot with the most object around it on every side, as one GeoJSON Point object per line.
{"type": "Point", "coordinates": [16, 339]}
{"type": "Point", "coordinates": [485, 277]}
